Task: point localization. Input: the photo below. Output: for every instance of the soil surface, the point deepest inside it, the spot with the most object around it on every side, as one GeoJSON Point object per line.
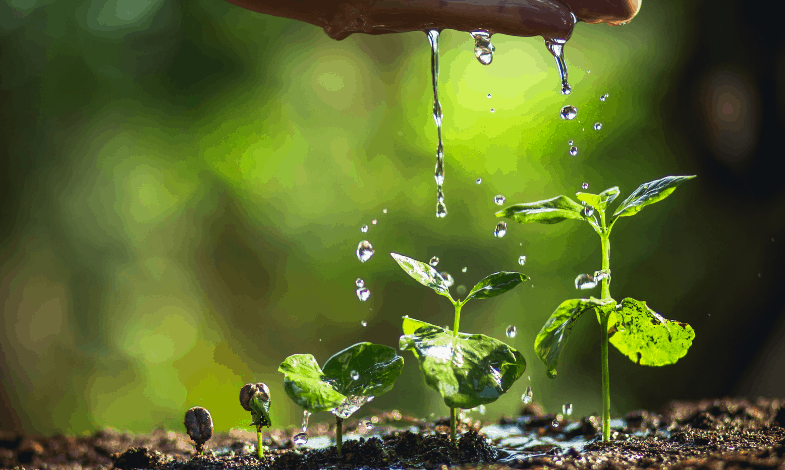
{"type": "Point", "coordinates": [712, 434]}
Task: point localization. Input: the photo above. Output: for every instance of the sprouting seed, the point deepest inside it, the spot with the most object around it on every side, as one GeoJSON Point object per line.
{"type": "Point", "coordinates": [199, 425]}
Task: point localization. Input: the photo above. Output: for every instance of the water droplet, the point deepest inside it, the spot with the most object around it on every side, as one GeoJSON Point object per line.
{"type": "Point", "coordinates": [585, 281]}
{"type": "Point", "coordinates": [351, 404]}
{"type": "Point", "coordinates": [526, 398]}
{"type": "Point", "coordinates": [363, 294]}
{"type": "Point", "coordinates": [567, 409]}
{"type": "Point", "coordinates": [306, 415]}
{"type": "Point", "coordinates": [512, 331]}
{"type": "Point", "coordinates": [555, 423]}
{"type": "Point", "coordinates": [556, 48]}
{"type": "Point", "coordinates": [588, 71]}
{"type": "Point", "coordinates": [359, 282]}
{"type": "Point", "coordinates": [570, 142]}
{"type": "Point", "coordinates": [447, 278]}
{"type": "Point", "coordinates": [364, 323]}
{"type": "Point", "coordinates": [588, 211]}
{"type": "Point", "coordinates": [355, 375]}
{"type": "Point", "coordinates": [489, 95]}
{"type": "Point", "coordinates": [461, 289]}
{"type": "Point", "coordinates": [434, 261]}
{"type": "Point", "coordinates": [597, 126]}
{"type": "Point", "coordinates": [501, 229]}
{"type": "Point", "coordinates": [483, 48]}
{"type": "Point", "coordinates": [585, 186]}
{"type": "Point", "coordinates": [464, 269]}
{"type": "Point", "coordinates": [300, 439]}
{"type": "Point", "coordinates": [604, 97]}
{"type": "Point", "coordinates": [479, 180]}
{"type": "Point", "coordinates": [602, 274]}
{"type": "Point", "coordinates": [433, 39]}
{"type": "Point", "coordinates": [384, 211]}
{"type": "Point", "coordinates": [364, 229]}
{"type": "Point", "coordinates": [374, 221]}
{"type": "Point", "coordinates": [441, 210]}
{"type": "Point", "coordinates": [405, 342]}
{"type": "Point", "coordinates": [568, 113]}
{"type": "Point", "coordinates": [364, 251]}
{"type": "Point", "coordinates": [499, 199]}
{"type": "Point", "coordinates": [368, 425]}
{"type": "Point", "coordinates": [522, 260]}
{"type": "Point", "coordinates": [573, 151]}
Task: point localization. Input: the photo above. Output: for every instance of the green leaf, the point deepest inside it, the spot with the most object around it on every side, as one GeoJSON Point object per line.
{"type": "Point", "coordinates": [260, 411]}
{"type": "Point", "coordinates": [649, 193]}
{"type": "Point", "coordinates": [647, 338]}
{"type": "Point", "coordinates": [496, 284]}
{"type": "Point", "coordinates": [423, 273]}
{"type": "Point", "coordinates": [599, 201]}
{"type": "Point", "coordinates": [306, 384]}
{"type": "Point", "coordinates": [362, 370]}
{"type": "Point", "coordinates": [553, 336]}
{"type": "Point", "coordinates": [467, 370]}
{"type": "Point", "coordinates": [550, 211]}
{"type": "Point", "coordinates": [609, 195]}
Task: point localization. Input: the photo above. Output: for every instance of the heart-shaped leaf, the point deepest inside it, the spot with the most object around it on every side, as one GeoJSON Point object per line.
{"type": "Point", "coordinates": [423, 273]}
{"type": "Point", "coordinates": [495, 284]}
{"type": "Point", "coordinates": [649, 193]}
{"type": "Point", "coordinates": [467, 370]}
{"type": "Point", "coordinates": [647, 338]}
{"type": "Point", "coordinates": [550, 211]}
{"type": "Point", "coordinates": [348, 380]}
{"type": "Point", "coordinates": [553, 336]}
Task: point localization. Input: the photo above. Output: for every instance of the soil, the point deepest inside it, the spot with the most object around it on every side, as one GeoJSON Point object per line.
{"type": "Point", "coordinates": [712, 434]}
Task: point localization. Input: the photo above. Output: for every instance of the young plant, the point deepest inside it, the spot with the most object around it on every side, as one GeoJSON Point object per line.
{"type": "Point", "coordinates": [256, 399]}
{"type": "Point", "coordinates": [348, 380]}
{"type": "Point", "coordinates": [631, 326]}
{"type": "Point", "coordinates": [199, 425]}
{"type": "Point", "coordinates": [467, 370]}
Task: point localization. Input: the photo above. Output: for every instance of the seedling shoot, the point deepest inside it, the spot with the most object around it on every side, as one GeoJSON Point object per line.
{"type": "Point", "coordinates": [256, 399]}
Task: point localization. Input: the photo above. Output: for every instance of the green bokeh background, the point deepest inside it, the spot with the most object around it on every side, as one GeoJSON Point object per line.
{"type": "Point", "coordinates": [185, 182]}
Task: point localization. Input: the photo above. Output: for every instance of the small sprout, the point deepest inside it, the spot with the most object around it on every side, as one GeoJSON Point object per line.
{"type": "Point", "coordinates": [631, 326]}
{"type": "Point", "coordinates": [256, 399]}
{"type": "Point", "coordinates": [199, 425]}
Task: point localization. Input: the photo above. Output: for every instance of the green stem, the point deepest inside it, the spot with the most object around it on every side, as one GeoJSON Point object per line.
{"type": "Point", "coordinates": [452, 425]}
{"type": "Point", "coordinates": [606, 294]}
{"type": "Point", "coordinates": [338, 434]}
{"type": "Point", "coordinates": [456, 325]}
{"type": "Point", "coordinates": [259, 440]}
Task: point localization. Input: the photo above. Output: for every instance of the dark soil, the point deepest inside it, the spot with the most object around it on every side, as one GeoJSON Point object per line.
{"type": "Point", "coordinates": [712, 434]}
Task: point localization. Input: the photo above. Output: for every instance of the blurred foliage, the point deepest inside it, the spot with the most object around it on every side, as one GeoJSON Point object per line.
{"type": "Point", "coordinates": [185, 183]}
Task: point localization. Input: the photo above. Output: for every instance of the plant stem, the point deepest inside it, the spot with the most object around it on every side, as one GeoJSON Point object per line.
{"type": "Point", "coordinates": [455, 325]}
{"type": "Point", "coordinates": [338, 434]}
{"type": "Point", "coordinates": [606, 294]}
{"type": "Point", "coordinates": [259, 440]}
{"type": "Point", "coordinates": [452, 425]}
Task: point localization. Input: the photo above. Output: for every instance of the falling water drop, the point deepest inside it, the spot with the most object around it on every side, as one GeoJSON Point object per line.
{"type": "Point", "coordinates": [355, 375]}
{"type": "Point", "coordinates": [464, 269]}
{"type": "Point", "coordinates": [585, 186]}
{"type": "Point", "coordinates": [584, 282]}
{"type": "Point", "coordinates": [447, 278]}
{"type": "Point", "coordinates": [364, 323]}
{"type": "Point", "coordinates": [483, 47]}
{"type": "Point", "coordinates": [588, 211]}
{"type": "Point", "coordinates": [489, 95]}
{"type": "Point", "coordinates": [512, 331]}
{"type": "Point", "coordinates": [555, 423]}
{"type": "Point", "coordinates": [604, 97]}
{"type": "Point", "coordinates": [500, 230]}
{"type": "Point", "coordinates": [306, 415]}
{"type": "Point", "coordinates": [363, 294]}
{"type": "Point", "coordinates": [364, 251]}
{"type": "Point", "coordinates": [479, 180]}
{"type": "Point", "coordinates": [568, 113]}
{"type": "Point", "coordinates": [556, 48]}
{"type": "Point", "coordinates": [522, 260]}
{"type": "Point", "coordinates": [374, 221]}
{"type": "Point", "coordinates": [597, 126]}
{"type": "Point", "coordinates": [567, 409]}
{"type": "Point", "coordinates": [570, 143]}
{"type": "Point", "coordinates": [573, 151]}
{"type": "Point", "coordinates": [499, 199]}
{"type": "Point", "coordinates": [493, 110]}
{"type": "Point", "coordinates": [384, 211]}
{"type": "Point", "coordinates": [300, 439]}
{"type": "Point", "coordinates": [359, 282]}
{"type": "Point", "coordinates": [364, 229]}
{"type": "Point", "coordinates": [434, 261]}
{"type": "Point", "coordinates": [526, 398]}
{"type": "Point", "coordinates": [441, 208]}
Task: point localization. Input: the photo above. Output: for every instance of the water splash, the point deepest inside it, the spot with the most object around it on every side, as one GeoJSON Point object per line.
{"type": "Point", "coordinates": [441, 208]}
{"type": "Point", "coordinates": [556, 48]}
{"type": "Point", "coordinates": [483, 47]}
{"type": "Point", "coordinates": [364, 251]}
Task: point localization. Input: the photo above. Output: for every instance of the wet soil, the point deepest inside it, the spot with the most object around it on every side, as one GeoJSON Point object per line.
{"type": "Point", "coordinates": [711, 434]}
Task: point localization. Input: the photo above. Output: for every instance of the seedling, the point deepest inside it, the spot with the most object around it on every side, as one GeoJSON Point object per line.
{"type": "Point", "coordinates": [631, 326]}
{"type": "Point", "coordinates": [256, 399]}
{"type": "Point", "coordinates": [348, 380]}
{"type": "Point", "coordinates": [467, 370]}
{"type": "Point", "coordinates": [199, 425]}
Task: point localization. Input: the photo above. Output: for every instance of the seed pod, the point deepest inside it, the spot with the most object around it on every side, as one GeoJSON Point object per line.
{"type": "Point", "coordinates": [199, 425]}
{"type": "Point", "coordinates": [249, 390]}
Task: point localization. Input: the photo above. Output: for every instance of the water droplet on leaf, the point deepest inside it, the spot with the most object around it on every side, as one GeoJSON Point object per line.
{"type": "Point", "coordinates": [512, 331]}
{"type": "Point", "coordinates": [588, 211]}
{"type": "Point", "coordinates": [500, 230]}
{"type": "Point", "coordinates": [493, 110]}
{"type": "Point", "coordinates": [568, 113]}
{"type": "Point", "coordinates": [364, 251]}
{"type": "Point", "coordinates": [447, 278]}
{"type": "Point", "coordinates": [585, 281]}
{"type": "Point", "coordinates": [368, 425]}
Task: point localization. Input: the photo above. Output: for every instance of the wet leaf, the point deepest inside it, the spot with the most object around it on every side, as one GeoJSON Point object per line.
{"type": "Point", "coordinates": [467, 370]}
{"type": "Point", "coordinates": [496, 284]}
{"type": "Point", "coordinates": [647, 338]}
{"type": "Point", "coordinates": [609, 195]}
{"type": "Point", "coordinates": [649, 193]}
{"type": "Point", "coordinates": [550, 211]}
{"type": "Point", "coordinates": [260, 411]}
{"type": "Point", "coordinates": [316, 389]}
{"type": "Point", "coordinates": [423, 273]}
{"type": "Point", "coordinates": [553, 336]}
{"type": "Point", "coordinates": [599, 201]}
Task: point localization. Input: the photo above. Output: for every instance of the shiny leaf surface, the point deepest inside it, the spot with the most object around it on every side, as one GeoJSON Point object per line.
{"type": "Point", "coordinates": [550, 211]}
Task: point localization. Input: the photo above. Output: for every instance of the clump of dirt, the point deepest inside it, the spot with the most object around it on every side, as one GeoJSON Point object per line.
{"type": "Point", "coordinates": [711, 434]}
